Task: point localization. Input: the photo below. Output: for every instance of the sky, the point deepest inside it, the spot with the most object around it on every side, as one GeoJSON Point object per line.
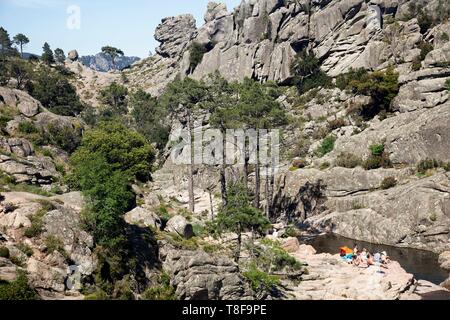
{"type": "Point", "coordinates": [88, 25]}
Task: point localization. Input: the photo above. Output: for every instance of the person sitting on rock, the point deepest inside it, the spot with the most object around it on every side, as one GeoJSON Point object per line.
{"type": "Point", "coordinates": [370, 260]}
{"type": "Point", "coordinates": [363, 256]}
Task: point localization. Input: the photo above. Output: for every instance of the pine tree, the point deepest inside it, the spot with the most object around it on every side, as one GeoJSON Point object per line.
{"type": "Point", "coordinates": [5, 42]}
{"type": "Point", "coordinates": [21, 40]}
{"type": "Point", "coordinates": [60, 56]}
{"type": "Point", "coordinates": [47, 56]}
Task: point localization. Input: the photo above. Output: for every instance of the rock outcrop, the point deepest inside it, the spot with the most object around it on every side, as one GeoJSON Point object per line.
{"type": "Point", "coordinates": [54, 252]}
{"type": "Point", "coordinates": [201, 276]}
{"type": "Point", "coordinates": [259, 39]}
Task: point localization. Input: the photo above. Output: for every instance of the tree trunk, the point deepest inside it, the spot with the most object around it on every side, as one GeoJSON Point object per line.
{"type": "Point", "coordinates": [223, 178]}
{"type": "Point", "coordinates": [191, 165]}
{"type": "Point", "coordinates": [257, 174]}
{"type": "Point", "coordinates": [238, 248]}
{"type": "Point", "coordinates": [267, 191]}
{"type": "Point", "coordinates": [21, 50]}
{"type": "Point", "coordinates": [211, 204]}
{"type": "Point", "coordinates": [246, 161]}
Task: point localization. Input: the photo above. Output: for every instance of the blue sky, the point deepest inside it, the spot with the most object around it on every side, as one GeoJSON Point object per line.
{"type": "Point", "coordinates": [129, 25]}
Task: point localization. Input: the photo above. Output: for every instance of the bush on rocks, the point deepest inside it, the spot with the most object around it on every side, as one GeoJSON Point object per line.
{"type": "Point", "coordinates": [348, 160]}
{"type": "Point", "coordinates": [388, 183]}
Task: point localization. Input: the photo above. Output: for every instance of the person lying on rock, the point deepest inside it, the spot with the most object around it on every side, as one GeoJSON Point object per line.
{"type": "Point", "coordinates": [385, 259]}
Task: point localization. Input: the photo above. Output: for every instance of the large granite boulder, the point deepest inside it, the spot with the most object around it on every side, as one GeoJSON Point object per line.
{"type": "Point", "coordinates": [179, 225]}
{"type": "Point", "coordinates": [144, 217]}
{"type": "Point", "coordinates": [26, 105]}
{"type": "Point", "coordinates": [201, 276]}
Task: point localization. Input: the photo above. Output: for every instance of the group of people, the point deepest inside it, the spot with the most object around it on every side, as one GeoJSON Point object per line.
{"type": "Point", "coordinates": [363, 258]}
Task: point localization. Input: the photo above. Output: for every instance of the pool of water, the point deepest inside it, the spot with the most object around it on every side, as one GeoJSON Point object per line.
{"type": "Point", "coordinates": [422, 264]}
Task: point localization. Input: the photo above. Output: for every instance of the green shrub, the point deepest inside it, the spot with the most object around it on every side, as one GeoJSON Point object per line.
{"type": "Point", "coordinates": [114, 97]}
{"type": "Point", "coordinates": [27, 127]}
{"type": "Point", "coordinates": [123, 149]}
{"type": "Point", "coordinates": [428, 164]}
{"type": "Point", "coordinates": [150, 118]}
{"type": "Point", "coordinates": [348, 160]}
{"type": "Point", "coordinates": [17, 289]}
{"type": "Point", "coordinates": [343, 80]}
{"type": "Point", "coordinates": [381, 86]}
{"type": "Point", "coordinates": [66, 137]}
{"type": "Point", "coordinates": [26, 249]}
{"type": "Point", "coordinates": [53, 244]}
{"type": "Point", "coordinates": [388, 183]}
{"type": "Point", "coordinates": [196, 53]}
{"type": "Point", "coordinates": [4, 252]}
{"type": "Point", "coordinates": [326, 147]}
{"type": "Point", "coordinates": [37, 220]}
{"type": "Point", "coordinates": [260, 280]}
{"type": "Point", "coordinates": [54, 91]}
{"type": "Point", "coordinates": [164, 291]}
{"type": "Point", "coordinates": [425, 48]}
{"type": "Point", "coordinates": [272, 257]}
{"type": "Point", "coordinates": [376, 162]}
{"type": "Point", "coordinates": [447, 84]}
{"type": "Point", "coordinates": [307, 72]}
{"type": "Point", "coordinates": [377, 149]}
{"type": "Point", "coordinates": [99, 295]}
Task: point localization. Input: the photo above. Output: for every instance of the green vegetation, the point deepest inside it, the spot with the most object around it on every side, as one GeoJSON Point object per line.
{"type": "Point", "coordinates": [26, 249]}
{"type": "Point", "coordinates": [37, 220]}
{"type": "Point", "coordinates": [4, 252]}
{"type": "Point", "coordinates": [429, 164]}
{"type": "Point", "coordinates": [307, 73]}
{"type": "Point", "coordinates": [425, 48]}
{"type": "Point", "coordinates": [47, 56]}
{"type": "Point", "coordinates": [53, 90]}
{"type": "Point", "coordinates": [111, 157]}
{"type": "Point", "coordinates": [271, 257]}
{"type": "Point", "coordinates": [377, 159]}
{"type": "Point", "coordinates": [53, 244]}
{"type": "Point", "coordinates": [21, 40]}
{"type": "Point", "coordinates": [163, 291]}
{"type": "Point", "coordinates": [17, 289]}
{"type": "Point", "coordinates": [388, 183]}
{"type": "Point", "coordinates": [326, 146]}
{"type": "Point", "coordinates": [344, 80]}
{"type": "Point", "coordinates": [60, 56]}
{"type": "Point", "coordinates": [26, 127]}
{"type": "Point", "coordinates": [114, 97]}
{"type": "Point", "coordinates": [149, 118]}
{"type": "Point", "coordinates": [381, 86]}
{"type": "Point", "coordinates": [6, 44]}
{"type": "Point", "coordinates": [239, 216]}
{"type": "Point", "coordinates": [196, 52]}
{"type": "Point", "coordinates": [260, 280]}
{"type": "Point", "coordinates": [447, 85]}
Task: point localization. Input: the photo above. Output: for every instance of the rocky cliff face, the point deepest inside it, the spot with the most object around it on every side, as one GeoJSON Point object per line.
{"type": "Point", "coordinates": [261, 37]}
{"type": "Point", "coordinates": [102, 62]}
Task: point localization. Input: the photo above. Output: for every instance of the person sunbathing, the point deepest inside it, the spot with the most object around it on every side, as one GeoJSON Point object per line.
{"type": "Point", "coordinates": [385, 259]}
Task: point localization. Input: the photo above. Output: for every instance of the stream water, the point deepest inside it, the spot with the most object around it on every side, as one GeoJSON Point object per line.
{"type": "Point", "coordinates": [422, 264]}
